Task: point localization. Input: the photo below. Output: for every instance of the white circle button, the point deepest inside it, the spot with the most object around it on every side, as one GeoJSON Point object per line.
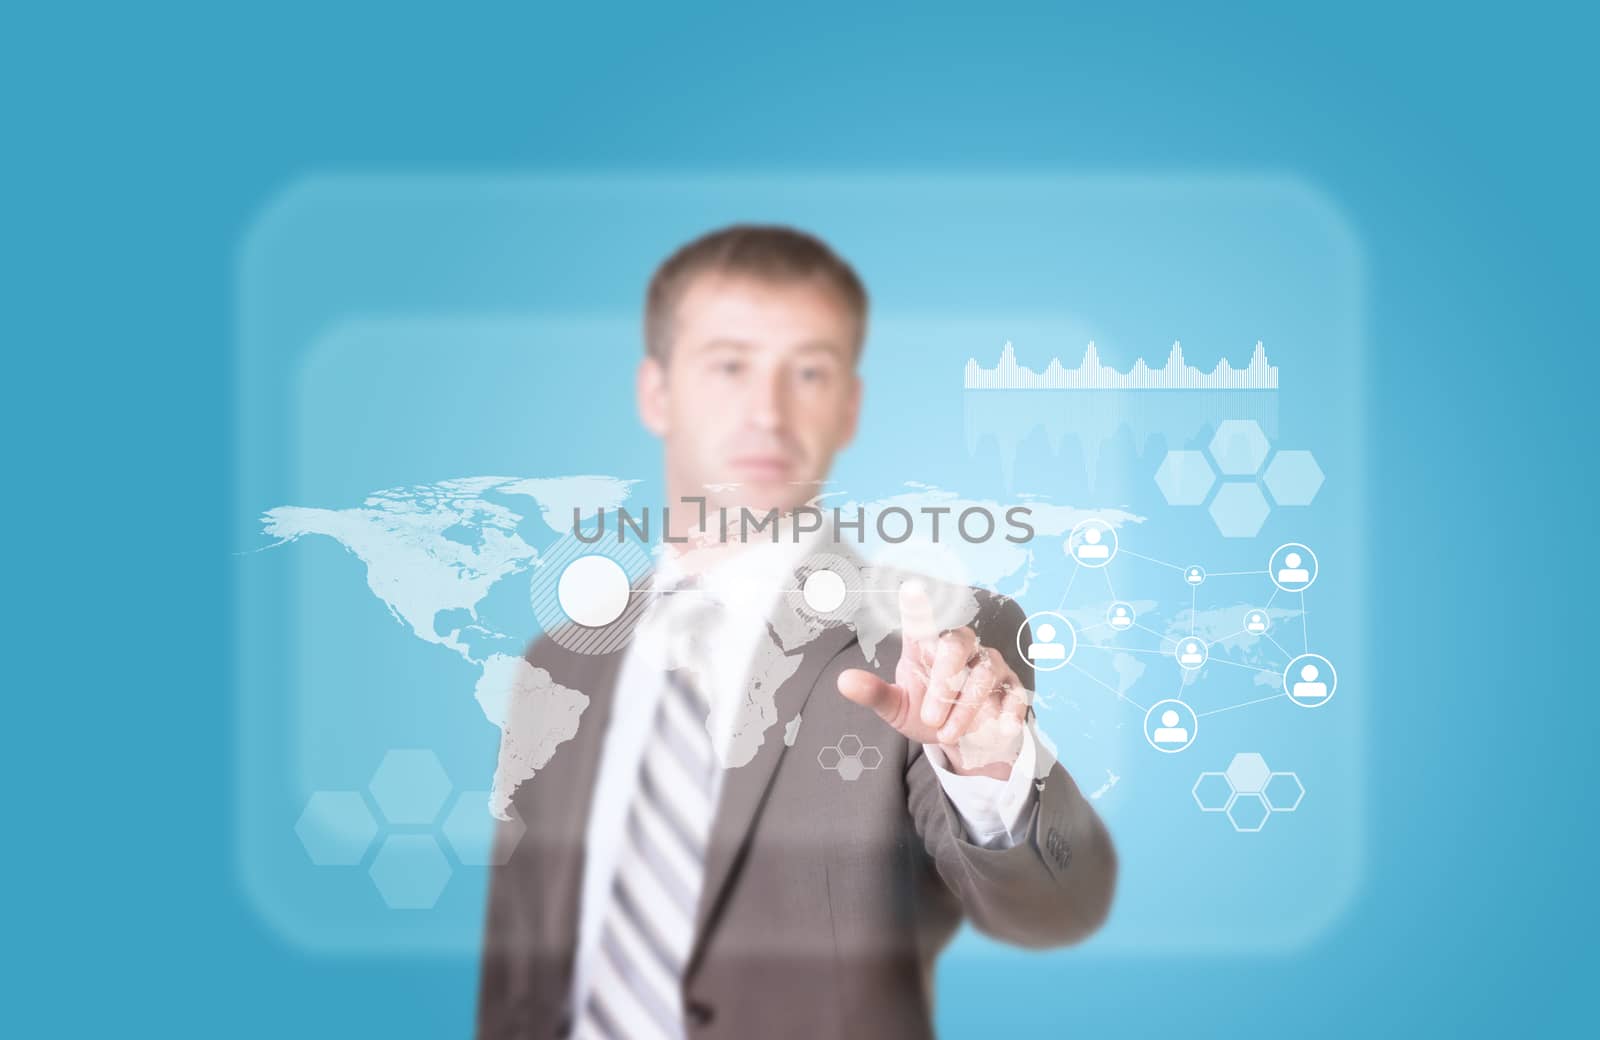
{"type": "Point", "coordinates": [593, 591]}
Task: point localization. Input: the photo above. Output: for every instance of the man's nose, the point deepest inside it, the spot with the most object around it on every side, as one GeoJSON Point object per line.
{"type": "Point", "coordinates": [767, 405]}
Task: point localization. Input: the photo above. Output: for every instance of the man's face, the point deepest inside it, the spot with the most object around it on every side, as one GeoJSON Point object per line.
{"type": "Point", "coordinates": [759, 390]}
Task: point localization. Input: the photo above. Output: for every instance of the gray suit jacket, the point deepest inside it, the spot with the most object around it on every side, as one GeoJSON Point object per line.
{"type": "Point", "coordinates": [825, 901]}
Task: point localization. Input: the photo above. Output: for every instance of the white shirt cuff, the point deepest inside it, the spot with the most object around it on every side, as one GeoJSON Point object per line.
{"type": "Point", "coordinates": [993, 811]}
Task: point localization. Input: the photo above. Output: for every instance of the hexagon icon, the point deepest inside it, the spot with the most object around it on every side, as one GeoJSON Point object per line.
{"type": "Point", "coordinates": [849, 768]}
{"type": "Point", "coordinates": [410, 786]}
{"type": "Point", "coordinates": [336, 828]}
{"type": "Point", "coordinates": [1294, 478]}
{"type": "Point", "coordinates": [1283, 792]}
{"type": "Point", "coordinates": [1239, 510]}
{"type": "Point", "coordinates": [849, 745]}
{"type": "Point", "coordinates": [410, 871]}
{"type": "Point", "coordinates": [1212, 792]}
{"type": "Point", "coordinates": [871, 758]}
{"type": "Point", "coordinates": [471, 830]}
{"type": "Point", "coordinates": [1239, 447]}
{"type": "Point", "coordinates": [1185, 478]}
{"type": "Point", "coordinates": [1248, 812]}
{"type": "Point", "coordinates": [1248, 773]}
{"type": "Point", "coordinates": [828, 758]}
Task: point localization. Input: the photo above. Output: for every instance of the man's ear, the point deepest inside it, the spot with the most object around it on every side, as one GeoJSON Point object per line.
{"type": "Point", "coordinates": [650, 391]}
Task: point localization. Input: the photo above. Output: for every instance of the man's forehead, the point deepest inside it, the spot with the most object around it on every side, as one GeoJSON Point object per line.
{"type": "Point", "coordinates": [790, 314]}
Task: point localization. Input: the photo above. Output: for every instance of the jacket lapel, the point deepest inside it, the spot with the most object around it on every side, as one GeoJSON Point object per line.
{"type": "Point", "coordinates": [565, 790]}
{"type": "Point", "coordinates": [744, 788]}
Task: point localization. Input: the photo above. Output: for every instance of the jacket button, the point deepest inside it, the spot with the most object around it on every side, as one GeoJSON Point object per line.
{"type": "Point", "coordinates": [1058, 849]}
{"type": "Point", "coordinates": [700, 1013]}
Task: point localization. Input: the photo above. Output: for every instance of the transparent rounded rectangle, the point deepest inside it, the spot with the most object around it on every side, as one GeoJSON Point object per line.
{"type": "Point", "coordinates": [450, 336]}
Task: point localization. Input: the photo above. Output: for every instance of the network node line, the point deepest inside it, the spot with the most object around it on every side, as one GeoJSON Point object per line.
{"type": "Point", "coordinates": [1194, 594]}
{"type": "Point", "coordinates": [1235, 574]}
{"type": "Point", "coordinates": [1070, 579]}
{"type": "Point", "coordinates": [1152, 559]}
{"type": "Point", "coordinates": [1247, 667]}
{"type": "Point", "coordinates": [1109, 587]}
{"type": "Point", "coordinates": [1231, 707]}
{"type": "Point", "coordinates": [1271, 598]}
{"type": "Point", "coordinates": [1277, 644]}
{"type": "Point", "coordinates": [1303, 634]}
{"type": "Point", "coordinates": [1114, 691]}
{"type": "Point", "coordinates": [1124, 649]}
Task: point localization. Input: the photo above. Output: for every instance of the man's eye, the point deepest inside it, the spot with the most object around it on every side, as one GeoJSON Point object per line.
{"type": "Point", "coordinates": [729, 368]}
{"type": "Point", "coordinates": [813, 375]}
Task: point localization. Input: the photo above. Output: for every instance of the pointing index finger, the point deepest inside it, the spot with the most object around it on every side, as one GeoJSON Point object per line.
{"type": "Point", "coordinates": [916, 613]}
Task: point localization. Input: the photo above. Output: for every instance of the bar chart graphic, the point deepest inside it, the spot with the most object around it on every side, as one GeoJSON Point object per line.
{"type": "Point", "coordinates": [1095, 408]}
{"type": "Point", "coordinates": [1257, 374]}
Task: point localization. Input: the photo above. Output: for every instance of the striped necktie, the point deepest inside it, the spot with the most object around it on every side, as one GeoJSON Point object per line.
{"type": "Point", "coordinates": [636, 986]}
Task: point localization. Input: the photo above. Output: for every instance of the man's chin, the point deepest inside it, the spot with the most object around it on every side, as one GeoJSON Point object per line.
{"type": "Point", "coordinates": [763, 496]}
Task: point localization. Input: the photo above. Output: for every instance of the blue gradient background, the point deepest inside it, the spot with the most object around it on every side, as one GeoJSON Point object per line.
{"type": "Point", "coordinates": [146, 141]}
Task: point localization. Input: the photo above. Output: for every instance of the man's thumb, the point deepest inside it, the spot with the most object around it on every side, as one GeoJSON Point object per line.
{"type": "Point", "coordinates": [871, 691]}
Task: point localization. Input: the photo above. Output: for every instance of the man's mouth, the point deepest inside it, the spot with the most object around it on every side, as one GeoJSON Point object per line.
{"type": "Point", "coordinates": [762, 467]}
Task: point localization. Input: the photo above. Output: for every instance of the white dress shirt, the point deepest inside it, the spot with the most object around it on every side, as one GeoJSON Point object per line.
{"type": "Point", "coordinates": [748, 584]}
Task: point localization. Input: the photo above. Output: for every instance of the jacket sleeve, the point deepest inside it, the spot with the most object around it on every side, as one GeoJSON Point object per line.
{"type": "Point", "coordinates": [514, 970]}
{"type": "Point", "coordinates": [523, 976]}
{"type": "Point", "coordinates": [1055, 885]}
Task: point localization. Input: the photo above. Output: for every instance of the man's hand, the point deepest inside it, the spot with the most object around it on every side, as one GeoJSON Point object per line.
{"type": "Point", "coordinates": [948, 690]}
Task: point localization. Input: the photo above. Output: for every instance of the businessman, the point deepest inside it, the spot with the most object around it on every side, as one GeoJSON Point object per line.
{"type": "Point", "coordinates": [684, 874]}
